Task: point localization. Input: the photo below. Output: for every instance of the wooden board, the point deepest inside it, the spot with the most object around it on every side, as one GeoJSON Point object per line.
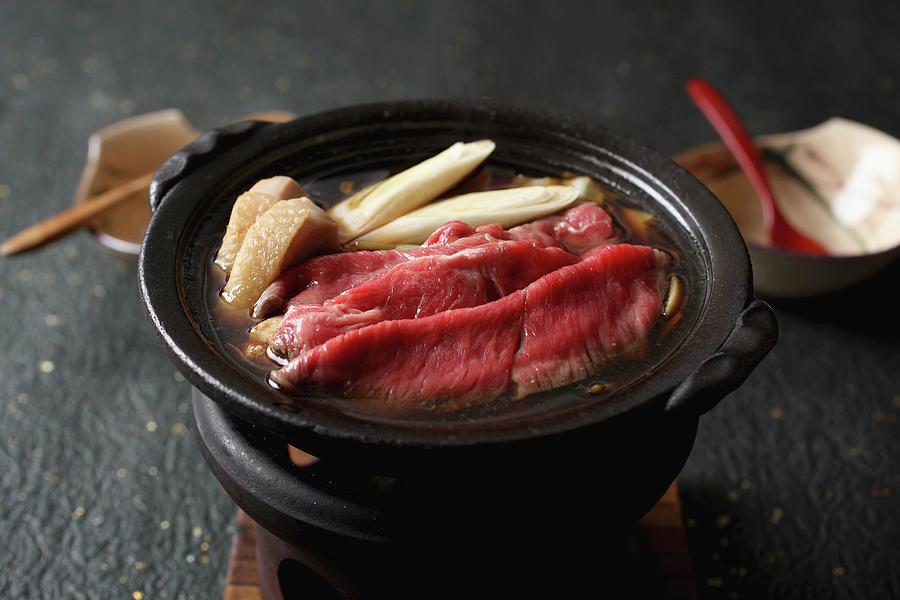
{"type": "Point", "coordinates": [242, 582]}
{"type": "Point", "coordinates": [660, 546]}
{"type": "Point", "coordinates": [662, 530]}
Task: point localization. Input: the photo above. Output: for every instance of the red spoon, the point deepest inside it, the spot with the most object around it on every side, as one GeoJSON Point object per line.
{"type": "Point", "coordinates": [729, 127]}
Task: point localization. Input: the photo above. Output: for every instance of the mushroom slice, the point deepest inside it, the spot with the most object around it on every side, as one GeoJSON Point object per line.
{"type": "Point", "coordinates": [638, 221]}
{"type": "Point", "coordinates": [263, 331]}
{"type": "Point", "coordinates": [506, 207]}
{"type": "Point", "coordinates": [258, 339]}
{"type": "Point", "coordinates": [287, 233]}
{"type": "Point", "coordinates": [247, 208]}
{"type": "Point", "coordinates": [397, 195]}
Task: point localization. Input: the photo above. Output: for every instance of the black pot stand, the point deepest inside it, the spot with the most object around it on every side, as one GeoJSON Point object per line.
{"type": "Point", "coordinates": [339, 532]}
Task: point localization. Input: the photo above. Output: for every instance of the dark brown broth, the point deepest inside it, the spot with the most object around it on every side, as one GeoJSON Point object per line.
{"type": "Point", "coordinates": [232, 327]}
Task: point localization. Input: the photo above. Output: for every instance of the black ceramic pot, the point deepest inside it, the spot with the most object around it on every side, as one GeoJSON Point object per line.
{"type": "Point", "coordinates": [632, 442]}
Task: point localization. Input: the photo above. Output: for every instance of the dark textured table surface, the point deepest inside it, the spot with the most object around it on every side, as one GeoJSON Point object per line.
{"type": "Point", "coordinates": [793, 488]}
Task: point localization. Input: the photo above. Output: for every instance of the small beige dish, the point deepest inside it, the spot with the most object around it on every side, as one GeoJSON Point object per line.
{"type": "Point", "coordinates": [838, 182]}
{"type": "Point", "coordinates": [128, 150]}
{"type": "Point", "coordinates": [120, 153]}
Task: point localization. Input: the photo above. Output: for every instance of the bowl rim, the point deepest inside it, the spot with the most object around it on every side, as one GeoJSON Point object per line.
{"type": "Point", "coordinates": [729, 280]}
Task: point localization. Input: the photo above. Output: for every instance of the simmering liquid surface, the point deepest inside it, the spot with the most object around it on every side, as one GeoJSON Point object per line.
{"type": "Point", "coordinates": [231, 327]}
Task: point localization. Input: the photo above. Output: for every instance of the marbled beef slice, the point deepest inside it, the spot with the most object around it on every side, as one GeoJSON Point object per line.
{"type": "Point", "coordinates": [561, 328]}
{"type": "Point", "coordinates": [417, 289]}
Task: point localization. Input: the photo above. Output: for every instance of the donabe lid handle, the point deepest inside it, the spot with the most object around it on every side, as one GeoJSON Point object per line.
{"type": "Point", "coordinates": [202, 150]}
{"type": "Point", "coordinates": [754, 334]}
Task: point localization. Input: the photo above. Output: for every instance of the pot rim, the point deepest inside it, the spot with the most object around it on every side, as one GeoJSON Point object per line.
{"type": "Point", "coordinates": [321, 429]}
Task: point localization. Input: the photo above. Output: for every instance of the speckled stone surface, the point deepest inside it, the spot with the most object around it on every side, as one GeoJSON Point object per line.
{"type": "Point", "coordinates": [793, 489]}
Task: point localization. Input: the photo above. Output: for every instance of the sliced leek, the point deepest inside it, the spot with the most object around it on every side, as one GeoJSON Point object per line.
{"type": "Point", "coordinates": [397, 195]}
{"type": "Point", "coordinates": [638, 221]}
{"type": "Point", "coordinates": [507, 207]}
{"type": "Point", "coordinates": [247, 208]}
{"type": "Point", "coordinates": [588, 189]}
{"type": "Point", "coordinates": [285, 234]}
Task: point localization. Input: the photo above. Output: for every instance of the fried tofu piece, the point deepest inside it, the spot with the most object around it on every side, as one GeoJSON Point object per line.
{"type": "Point", "coordinates": [248, 208]}
{"type": "Point", "coordinates": [290, 231]}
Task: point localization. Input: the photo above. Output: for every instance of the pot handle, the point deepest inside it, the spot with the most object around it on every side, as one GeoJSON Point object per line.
{"type": "Point", "coordinates": [202, 150]}
{"type": "Point", "coordinates": [754, 334]}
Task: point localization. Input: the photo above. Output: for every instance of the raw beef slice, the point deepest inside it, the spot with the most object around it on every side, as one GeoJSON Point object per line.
{"type": "Point", "coordinates": [461, 356]}
{"type": "Point", "coordinates": [578, 229]}
{"type": "Point", "coordinates": [324, 277]}
{"type": "Point", "coordinates": [417, 289]}
{"type": "Point", "coordinates": [582, 227]}
{"type": "Point", "coordinates": [578, 317]}
{"type": "Point", "coordinates": [559, 329]}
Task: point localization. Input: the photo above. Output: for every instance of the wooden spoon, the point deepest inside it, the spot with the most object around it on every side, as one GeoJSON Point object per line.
{"type": "Point", "coordinates": [729, 127]}
{"type": "Point", "coordinates": [83, 213]}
